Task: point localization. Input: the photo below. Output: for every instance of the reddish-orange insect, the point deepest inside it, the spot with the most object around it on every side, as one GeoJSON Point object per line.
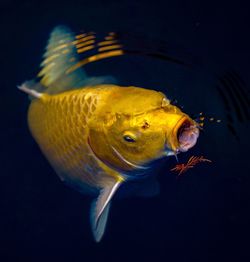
{"type": "Point", "coordinates": [193, 160]}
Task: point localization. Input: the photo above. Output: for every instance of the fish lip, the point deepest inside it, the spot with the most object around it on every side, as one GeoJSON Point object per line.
{"type": "Point", "coordinates": [180, 146]}
{"type": "Point", "coordinates": [187, 135]}
{"type": "Point", "coordinates": [174, 144]}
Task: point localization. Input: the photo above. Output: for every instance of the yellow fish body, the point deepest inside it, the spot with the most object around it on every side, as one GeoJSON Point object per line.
{"type": "Point", "coordinates": [98, 137]}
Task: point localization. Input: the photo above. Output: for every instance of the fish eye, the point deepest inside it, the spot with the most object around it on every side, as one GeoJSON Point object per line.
{"type": "Point", "coordinates": [129, 137]}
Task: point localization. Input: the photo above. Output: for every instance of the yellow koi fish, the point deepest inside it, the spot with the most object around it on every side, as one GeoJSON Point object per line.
{"type": "Point", "coordinates": [99, 136]}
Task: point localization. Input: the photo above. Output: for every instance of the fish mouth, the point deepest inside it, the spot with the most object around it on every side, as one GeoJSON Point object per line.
{"type": "Point", "coordinates": [184, 135]}
{"type": "Point", "coordinates": [187, 134]}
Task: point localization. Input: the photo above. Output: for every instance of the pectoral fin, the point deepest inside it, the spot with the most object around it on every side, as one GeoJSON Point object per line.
{"type": "Point", "coordinates": [100, 209]}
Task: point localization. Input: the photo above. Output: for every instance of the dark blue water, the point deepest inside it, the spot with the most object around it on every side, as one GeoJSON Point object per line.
{"type": "Point", "coordinates": [201, 216]}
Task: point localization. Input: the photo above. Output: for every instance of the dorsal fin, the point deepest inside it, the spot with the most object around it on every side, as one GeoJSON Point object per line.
{"type": "Point", "coordinates": [67, 53]}
{"type": "Point", "coordinates": [93, 48]}
{"type": "Point", "coordinates": [61, 54]}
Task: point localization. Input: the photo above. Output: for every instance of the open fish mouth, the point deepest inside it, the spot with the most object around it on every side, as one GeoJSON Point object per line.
{"type": "Point", "coordinates": [187, 135]}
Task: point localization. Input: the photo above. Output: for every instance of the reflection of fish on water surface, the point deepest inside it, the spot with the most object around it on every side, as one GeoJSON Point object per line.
{"type": "Point", "coordinates": [98, 136]}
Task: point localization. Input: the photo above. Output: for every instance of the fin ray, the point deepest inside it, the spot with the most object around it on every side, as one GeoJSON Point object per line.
{"type": "Point", "coordinates": [67, 53]}
{"type": "Point", "coordinates": [100, 209]}
{"type": "Point", "coordinates": [31, 88]}
{"type": "Point", "coordinates": [61, 54]}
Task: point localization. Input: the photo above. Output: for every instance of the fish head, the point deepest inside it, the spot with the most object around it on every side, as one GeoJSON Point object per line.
{"type": "Point", "coordinates": [132, 136]}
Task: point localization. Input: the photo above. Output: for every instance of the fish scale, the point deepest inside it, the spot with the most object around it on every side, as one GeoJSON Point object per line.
{"type": "Point", "coordinates": [59, 124]}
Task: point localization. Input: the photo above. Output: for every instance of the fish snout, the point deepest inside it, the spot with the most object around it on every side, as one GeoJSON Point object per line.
{"type": "Point", "coordinates": [187, 135]}
{"type": "Point", "coordinates": [184, 135]}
